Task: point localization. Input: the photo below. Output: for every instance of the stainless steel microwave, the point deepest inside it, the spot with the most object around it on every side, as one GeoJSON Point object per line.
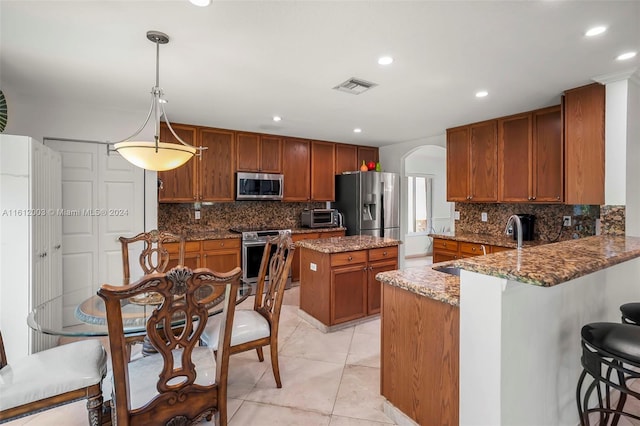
{"type": "Point", "coordinates": [259, 186]}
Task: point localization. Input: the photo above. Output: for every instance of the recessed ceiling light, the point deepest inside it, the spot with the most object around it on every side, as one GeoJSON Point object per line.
{"type": "Point", "coordinates": [595, 31]}
{"type": "Point", "coordinates": [481, 94]}
{"type": "Point", "coordinates": [201, 3]}
{"type": "Point", "coordinates": [627, 55]}
{"type": "Point", "coordinates": [357, 130]}
{"type": "Point", "coordinates": [277, 118]}
{"type": "Point", "coordinates": [385, 60]}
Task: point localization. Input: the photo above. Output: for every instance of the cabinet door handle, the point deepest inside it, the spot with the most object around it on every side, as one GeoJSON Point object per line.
{"type": "Point", "coordinates": [529, 198]}
{"type": "Point", "coordinates": [484, 250]}
{"type": "Point", "coordinates": [58, 247]}
{"type": "Point", "coordinates": [365, 268]}
{"type": "Point", "coordinates": [533, 198]}
{"type": "Point", "coordinates": [558, 197]}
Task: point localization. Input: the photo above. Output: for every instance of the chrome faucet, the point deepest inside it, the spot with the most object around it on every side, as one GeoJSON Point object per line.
{"type": "Point", "coordinates": [514, 218]}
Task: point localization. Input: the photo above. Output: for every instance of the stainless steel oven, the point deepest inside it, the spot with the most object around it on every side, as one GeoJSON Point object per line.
{"type": "Point", "coordinates": [253, 242]}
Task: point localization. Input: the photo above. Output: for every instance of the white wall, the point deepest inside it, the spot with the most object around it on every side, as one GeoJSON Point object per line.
{"type": "Point", "coordinates": [616, 142]}
{"type": "Point", "coordinates": [431, 160]}
{"type": "Point", "coordinates": [392, 159]}
{"type": "Point", "coordinates": [632, 225]}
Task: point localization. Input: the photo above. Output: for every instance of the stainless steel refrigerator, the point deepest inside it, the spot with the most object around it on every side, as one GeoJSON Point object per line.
{"type": "Point", "coordinates": [370, 203]}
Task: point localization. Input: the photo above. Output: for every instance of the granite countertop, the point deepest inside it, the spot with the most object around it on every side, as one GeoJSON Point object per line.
{"type": "Point", "coordinates": [426, 282]}
{"type": "Point", "coordinates": [488, 239]}
{"type": "Point", "coordinates": [219, 234]}
{"type": "Point", "coordinates": [551, 264]}
{"type": "Point", "coordinates": [543, 265]}
{"type": "Point", "coordinates": [350, 243]}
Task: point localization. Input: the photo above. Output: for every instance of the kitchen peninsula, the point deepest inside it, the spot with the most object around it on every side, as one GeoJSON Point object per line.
{"type": "Point", "coordinates": [337, 283]}
{"type": "Point", "coordinates": [505, 335]}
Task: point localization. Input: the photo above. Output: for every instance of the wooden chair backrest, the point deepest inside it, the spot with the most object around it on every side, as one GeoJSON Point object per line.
{"type": "Point", "coordinates": [277, 267]}
{"type": "Point", "coordinates": [186, 295]}
{"type": "Point", "coordinates": [3, 355]}
{"type": "Point", "coordinates": [154, 256]}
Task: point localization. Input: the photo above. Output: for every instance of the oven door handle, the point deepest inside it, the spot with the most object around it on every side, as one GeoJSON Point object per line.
{"type": "Point", "coordinates": [254, 243]}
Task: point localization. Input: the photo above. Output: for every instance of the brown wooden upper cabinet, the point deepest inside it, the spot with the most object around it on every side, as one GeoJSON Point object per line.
{"type": "Point", "coordinates": [584, 115]}
{"type": "Point", "coordinates": [258, 153]}
{"type": "Point", "coordinates": [323, 157]}
{"type": "Point", "coordinates": [346, 158]}
{"type": "Point", "coordinates": [179, 185]}
{"type": "Point", "coordinates": [530, 157]}
{"type": "Point", "coordinates": [206, 178]}
{"type": "Point", "coordinates": [296, 169]}
{"type": "Point", "coordinates": [366, 154]}
{"type": "Point", "coordinates": [472, 162]}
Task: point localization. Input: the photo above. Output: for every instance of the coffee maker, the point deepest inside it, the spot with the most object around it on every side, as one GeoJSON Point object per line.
{"type": "Point", "coordinates": [527, 221]}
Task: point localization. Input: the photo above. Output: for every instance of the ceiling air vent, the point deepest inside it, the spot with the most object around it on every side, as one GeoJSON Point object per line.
{"type": "Point", "coordinates": [355, 86]}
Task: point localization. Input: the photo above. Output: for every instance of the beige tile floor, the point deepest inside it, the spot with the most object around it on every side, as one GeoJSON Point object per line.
{"type": "Point", "coordinates": [327, 379]}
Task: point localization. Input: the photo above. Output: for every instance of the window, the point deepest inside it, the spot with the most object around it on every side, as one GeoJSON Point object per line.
{"type": "Point", "coordinates": [420, 209]}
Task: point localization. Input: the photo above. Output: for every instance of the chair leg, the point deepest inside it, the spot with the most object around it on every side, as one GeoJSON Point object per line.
{"type": "Point", "coordinates": [221, 415]}
{"type": "Point", "coordinates": [260, 354]}
{"type": "Point", "coordinates": [94, 409]}
{"type": "Point", "coordinates": [274, 362]}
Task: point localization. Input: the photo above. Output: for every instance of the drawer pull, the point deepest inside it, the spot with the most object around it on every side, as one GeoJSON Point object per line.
{"type": "Point", "coordinates": [221, 244]}
{"type": "Point", "coordinates": [473, 249]}
{"type": "Point", "coordinates": [384, 253]}
{"type": "Point", "coordinates": [350, 258]}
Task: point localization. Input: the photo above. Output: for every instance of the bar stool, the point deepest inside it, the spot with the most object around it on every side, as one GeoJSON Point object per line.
{"type": "Point", "coordinates": [611, 357]}
{"type": "Point", "coordinates": [630, 313]}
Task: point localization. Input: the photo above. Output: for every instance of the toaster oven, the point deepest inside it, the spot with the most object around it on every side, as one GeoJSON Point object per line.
{"type": "Point", "coordinates": [320, 218]}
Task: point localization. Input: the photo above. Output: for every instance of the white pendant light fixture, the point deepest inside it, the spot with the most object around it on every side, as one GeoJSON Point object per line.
{"type": "Point", "coordinates": [156, 155]}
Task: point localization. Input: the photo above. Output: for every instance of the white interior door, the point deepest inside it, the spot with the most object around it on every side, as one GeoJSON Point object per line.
{"type": "Point", "coordinates": [102, 198]}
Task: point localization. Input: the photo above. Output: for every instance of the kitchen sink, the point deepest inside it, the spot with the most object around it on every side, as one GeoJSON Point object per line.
{"type": "Point", "coordinates": [448, 269]}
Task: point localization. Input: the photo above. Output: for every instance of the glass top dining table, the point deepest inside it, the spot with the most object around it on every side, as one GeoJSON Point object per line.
{"type": "Point", "coordinates": [90, 315]}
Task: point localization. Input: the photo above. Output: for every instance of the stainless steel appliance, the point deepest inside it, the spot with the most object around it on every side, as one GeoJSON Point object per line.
{"type": "Point", "coordinates": [527, 221]}
{"type": "Point", "coordinates": [370, 203]}
{"type": "Point", "coordinates": [259, 186]}
{"type": "Point", "coordinates": [253, 242]}
{"type": "Point", "coordinates": [320, 218]}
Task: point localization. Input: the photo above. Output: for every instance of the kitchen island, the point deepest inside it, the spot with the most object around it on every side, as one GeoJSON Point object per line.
{"type": "Point", "coordinates": [338, 287]}
{"type": "Point", "coordinates": [520, 313]}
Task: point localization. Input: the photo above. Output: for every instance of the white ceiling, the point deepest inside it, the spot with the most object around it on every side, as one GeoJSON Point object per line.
{"type": "Point", "coordinates": [235, 64]}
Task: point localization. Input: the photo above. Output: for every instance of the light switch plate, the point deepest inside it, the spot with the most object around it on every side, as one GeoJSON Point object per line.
{"type": "Point", "coordinates": [313, 266]}
{"type": "Point", "coordinates": [483, 216]}
{"type": "Point", "coordinates": [456, 215]}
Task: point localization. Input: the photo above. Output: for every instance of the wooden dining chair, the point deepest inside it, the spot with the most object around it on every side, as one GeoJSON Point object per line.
{"type": "Point", "coordinates": [184, 382]}
{"type": "Point", "coordinates": [53, 377]}
{"type": "Point", "coordinates": [154, 256]}
{"type": "Point", "coordinates": [254, 329]}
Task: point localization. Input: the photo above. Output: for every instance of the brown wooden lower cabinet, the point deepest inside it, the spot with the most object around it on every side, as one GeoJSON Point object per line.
{"type": "Point", "coordinates": [444, 249]}
{"type": "Point", "coordinates": [295, 263]}
{"type": "Point", "coordinates": [340, 287]}
{"type": "Point", "coordinates": [220, 255]}
{"type": "Point", "coordinates": [419, 356]}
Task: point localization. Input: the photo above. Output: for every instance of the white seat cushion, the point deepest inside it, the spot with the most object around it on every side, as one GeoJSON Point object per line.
{"type": "Point", "coordinates": [144, 372]}
{"type": "Point", "coordinates": [52, 372]}
{"type": "Point", "coordinates": [248, 325]}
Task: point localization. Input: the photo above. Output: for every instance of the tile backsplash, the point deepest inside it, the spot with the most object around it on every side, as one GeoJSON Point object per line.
{"type": "Point", "coordinates": [180, 218]}
{"type": "Point", "coordinates": [548, 222]}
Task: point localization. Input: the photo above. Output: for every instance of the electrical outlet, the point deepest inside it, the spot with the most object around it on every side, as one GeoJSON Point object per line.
{"type": "Point", "coordinates": [566, 220]}
{"type": "Point", "coordinates": [483, 216]}
{"type": "Point", "coordinates": [197, 214]}
{"type": "Point", "coordinates": [456, 215]}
